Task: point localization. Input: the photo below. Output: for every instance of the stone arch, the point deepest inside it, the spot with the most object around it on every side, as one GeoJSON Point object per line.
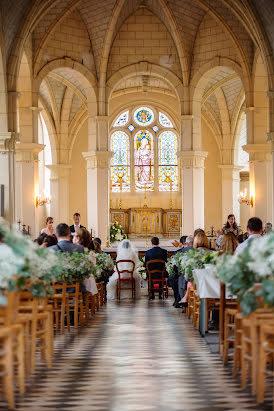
{"type": "Point", "coordinates": [25, 113]}
{"type": "Point", "coordinates": [3, 88]}
{"type": "Point", "coordinates": [145, 68]}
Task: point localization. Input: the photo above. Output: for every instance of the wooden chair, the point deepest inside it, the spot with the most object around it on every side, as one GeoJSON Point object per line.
{"type": "Point", "coordinates": [196, 310]}
{"type": "Point", "coordinates": [75, 302]}
{"type": "Point", "coordinates": [37, 311]}
{"type": "Point", "coordinates": [9, 318]}
{"type": "Point", "coordinates": [266, 356]}
{"type": "Point", "coordinates": [60, 305]}
{"type": "Point", "coordinates": [229, 331]}
{"type": "Point", "coordinates": [190, 306]}
{"type": "Point", "coordinates": [6, 365]}
{"type": "Point", "coordinates": [89, 306]}
{"type": "Point", "coordinates": [160, 281]}
{"type": "Point", "coordinates": [250, 343]}
{"type": "Point", "coordinates": [238, 332]}
{"type": "Point", "coordinates": [129, 279]}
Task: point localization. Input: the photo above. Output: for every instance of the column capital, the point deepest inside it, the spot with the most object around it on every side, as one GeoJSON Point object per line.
{"type": "Point", "coordinates": [102, 118]}
{"type": "Point", "coordinates": [7, 142]}
{"type": "Point", "coordinates": [192, 159]}
{"type": "Point", "coordinates": [248, 109]}
{"type": "Point", "coordinates": [28, 152]}
{"type": "Point", "coordinates": [97, 159]}
{"type": "Point", "coordinates": [58, 171]}
{"type": "Point", "coordinates": [258, 152]}
{"type": "Point", "coordinates": [36, 109]}
{"type": "Point", "coordinates": [187, 117]}
{"type": "Point", "coordinates": [230, 171]}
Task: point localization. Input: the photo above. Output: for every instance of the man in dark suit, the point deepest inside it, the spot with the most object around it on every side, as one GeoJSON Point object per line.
{"type": "Point", "coordinates": [64, 244]}
{"type": "Point", "coordinates": [75, 227]}
{"type": "Point", "coordinates": [155, 253]}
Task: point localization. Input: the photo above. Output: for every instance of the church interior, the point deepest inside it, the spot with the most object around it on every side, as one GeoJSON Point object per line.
{"type": "Point", "coordinates": [157, 115]}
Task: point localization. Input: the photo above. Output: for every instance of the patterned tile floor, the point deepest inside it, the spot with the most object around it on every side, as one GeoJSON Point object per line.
{"type": "Point", "coordinates": [142, 356]}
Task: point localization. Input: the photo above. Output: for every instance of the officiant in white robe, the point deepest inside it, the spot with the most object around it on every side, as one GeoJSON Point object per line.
{"type": "Point", "coordinates": [125, 251]}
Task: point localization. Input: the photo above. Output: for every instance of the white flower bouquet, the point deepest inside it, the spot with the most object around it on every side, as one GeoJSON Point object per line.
{"type": "Point", "coordinates": [116, 232]}
{"type": "Point", "coordinates": [76, 266]}
{"type": "Point", "coordinates": [142, 269]}
{"type": "Point", "coordinates": [105, 261]}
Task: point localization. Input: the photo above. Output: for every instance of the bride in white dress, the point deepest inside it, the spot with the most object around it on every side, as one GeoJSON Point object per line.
{"type": "Point", "coordinates": [125, 251]}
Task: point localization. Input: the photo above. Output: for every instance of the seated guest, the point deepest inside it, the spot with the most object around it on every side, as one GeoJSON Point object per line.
{"type": "Point", "coordinates": [64, 244]}
{"type": "Point", "coordinates": [49, 230]}
{"type": "Point", "coordinates": [49, 240]}
{"type": "Point", "coordinates": [39, 240]}
{"type": "Point", "coordinates": [155, 253]}
{"type": "Point", "coordinates": [219, 239]}
{"type": "Point", "coordinates": [254, 229]}
{"type": "Point", "coordinates": [242, 237]}
{"type": "Point", "coordinates": [267, 228]}
{"type": "Point", "coordinates": [97, 245]}
{"type": "Point", "coordinates": [75, 227]}
{"type": "Point", "coordinates": [229, 244]}
{"type": "Point", "coordinates": [187, 245]}
{"type": "Point", "coordinates": [82, 237]}
{"type": "Point", "coordinates": [201, 241]}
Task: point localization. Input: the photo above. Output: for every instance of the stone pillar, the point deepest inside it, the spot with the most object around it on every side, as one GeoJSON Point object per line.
{"type": "Point", "coordinates": [59, 190]}
{"type": "Point", "coordinates": [270, 138]}
{"type": "Point", "coordinates": [27, 184]}
{"type": "Point", "coordinates": [261, 180]}
{"type": "Point", "coordinates": [192, 163]}
{"type": "Point", "coordinates": [7, 175]}
{"type": "Point", "coordinates": [230, 191]}
{"type": "Point", "coordinates": [98, 192]}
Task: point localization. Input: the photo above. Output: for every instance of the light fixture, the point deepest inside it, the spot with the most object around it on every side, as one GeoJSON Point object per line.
{"type": "Point", "coordinates": [243, 198]}
{"type": "Point", "coordinates": [42, 199]}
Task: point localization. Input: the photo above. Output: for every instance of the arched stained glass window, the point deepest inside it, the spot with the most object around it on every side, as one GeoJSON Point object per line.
{"type": "Point", "coordinates": [168, 168]}
{"type": "Point", "coordinates": [144, 161]}
{"type": "Point", "coordinates": [143, 116]}
{"type": "Point", "coordinates": [122, 120]}
{"type": "Point", "coordinates": [120, 164]}
{"type": "Point", "coordinates": [165, 121]}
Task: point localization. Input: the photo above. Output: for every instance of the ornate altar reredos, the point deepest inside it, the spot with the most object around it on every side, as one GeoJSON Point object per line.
{"type": "Point", "coordinates": [141, 222]}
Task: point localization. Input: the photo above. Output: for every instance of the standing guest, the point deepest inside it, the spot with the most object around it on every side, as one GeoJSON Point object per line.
{"type": "Point", "coordinates": [155, 253]}
{"type": "Point", "coordinates": [97, 245]}
{"type": "Point", "coordinates": [267, 228]}
{"type": "Point", "coordinates": [254, 229]}
{"type": "Point", "coordinates": [75, 227]}
{"type": "Point", "coordinates": [231, 226]}
{"type": "Point", "coordinates": [64, 244]}
{"type": "Point", "coordinates": [229, 244]}
{"type": "Point", "coordinates": [49, 230]}
{"type": "Point", "coordinates": [49, 241]}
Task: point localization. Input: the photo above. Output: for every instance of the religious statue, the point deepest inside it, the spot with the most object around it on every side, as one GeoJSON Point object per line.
{"type": "Point", "coordinates": [143, 160]}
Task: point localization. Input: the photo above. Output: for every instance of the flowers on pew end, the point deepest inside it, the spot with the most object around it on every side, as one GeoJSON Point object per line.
{"type": "Point", "coordinates": [116, 232]}
{"type": "Point", "coordinates": [76, 266]}
{"type": "Point", "coordinates": [105, 261]}
{"type": "Point", "coordinates": [254, 264]}
{"type": "Point", "coordinates": [142, 269]}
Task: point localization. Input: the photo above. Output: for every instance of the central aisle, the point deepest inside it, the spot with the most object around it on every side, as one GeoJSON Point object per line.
{"type": "Point", "coordinates": [135, 357]}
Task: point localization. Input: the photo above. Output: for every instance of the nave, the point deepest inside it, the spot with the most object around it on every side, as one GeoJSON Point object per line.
{"type": "Point", "coordinates": [134, 356]}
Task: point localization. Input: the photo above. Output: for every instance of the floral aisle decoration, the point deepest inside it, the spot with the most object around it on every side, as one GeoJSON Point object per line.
{"type": "Point", "coordinates": [105, 261]}
{"type": "Point", "coordinates": [142, 269]}
{"type": "Point", "coordinates": [254, 264]}
{"type": "Point", "coordinates": [76, 266]}
{"type": "Point", "coordinates": [116, 232]}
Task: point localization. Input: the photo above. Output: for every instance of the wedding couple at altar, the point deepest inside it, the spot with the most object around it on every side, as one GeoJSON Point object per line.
{"type": "Point", "coordinates": [126, 251]}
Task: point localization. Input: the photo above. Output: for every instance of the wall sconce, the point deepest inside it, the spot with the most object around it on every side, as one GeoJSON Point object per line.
{"type": "Point", "coordinates": [42, 199]}
{"type": "Point", "coordinates": [242, 198]}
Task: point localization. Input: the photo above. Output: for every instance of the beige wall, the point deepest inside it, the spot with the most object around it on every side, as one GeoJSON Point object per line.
{"type": "Point", "coordinates": [213, 180]}
{"type": "Point", "coordinates": [78, 176]}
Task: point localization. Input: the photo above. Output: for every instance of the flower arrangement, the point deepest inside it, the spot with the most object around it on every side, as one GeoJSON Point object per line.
{"type": "Point", "coordinates": [105, 261]}
{"type": "Point", "coordinates": [254, 264]}
{"type": "Point", "coordinates": [116, 232]}
{"type": "Point", "coordinates": [76, 266]}
{"type": "Point", "coordinates": [142, 269]}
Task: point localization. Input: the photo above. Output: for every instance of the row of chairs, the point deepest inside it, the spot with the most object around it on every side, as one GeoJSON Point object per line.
{"type": "Point", "coordinates": [27, 325]}
{"type": "Point", "coordinates": [250, 342]}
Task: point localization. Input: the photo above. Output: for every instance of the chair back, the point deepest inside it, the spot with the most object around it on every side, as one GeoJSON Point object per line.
{"type": "Point", "coordinates": [160, 271]}
{"type": "Point", "coordinates": [9, 312]}
{"type": "Point", "coordinates": [121, 271]}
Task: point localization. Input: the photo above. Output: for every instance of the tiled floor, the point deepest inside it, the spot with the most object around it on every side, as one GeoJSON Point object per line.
{"type": "Point", "coordinates": [136, 357]}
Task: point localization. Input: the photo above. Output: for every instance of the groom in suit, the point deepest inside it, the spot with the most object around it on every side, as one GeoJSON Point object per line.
{"type": "Point", "coordinates": [75, 227]}
{"type": "Point", "coordinates": [155, 253]}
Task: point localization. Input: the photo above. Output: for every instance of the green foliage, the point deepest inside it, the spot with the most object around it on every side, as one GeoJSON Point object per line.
{"type": "Point", "coordinates": [116, 232]}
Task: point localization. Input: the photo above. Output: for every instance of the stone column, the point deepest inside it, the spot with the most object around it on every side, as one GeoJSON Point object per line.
{"type": "Point", "coordinates": [270, 138]}
{"type": "Point", "coordinates": [230, 191]}
{"type": "Point", "coordinates": [7, 175]}
{"type": "Point", "coordinates": [98, 192]}
{"type": "Point", "coordinates": [27, 184]}
{"type": "Point", "coordinates": [261, 180]}
{"type": "Point", "coordinates": [59, 190]}
{"type": "Point", "coordinates": [192, 163]}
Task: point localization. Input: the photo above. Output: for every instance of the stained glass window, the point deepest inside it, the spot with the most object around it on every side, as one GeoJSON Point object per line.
{"type": "Point", "coordinates": [143, 116]}
{"type": "Point", "coordinates": [155, 129]}
{"type": "Point", "coordinates": [120, 165]}
{"type": "Point", "coordinates": [122, 120]}
{"type": "Point", "coordinates": [144, 161]}
{"type": "Point", "coordinates": [168, 168]}
{"type": "Point", "coordinates": [131, 127]}
{"type": "Point", "coordinates": [164, 120]}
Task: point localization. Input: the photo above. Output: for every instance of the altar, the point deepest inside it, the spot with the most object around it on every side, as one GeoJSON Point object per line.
{"type": "Point", "coordinates": [144, 221]}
